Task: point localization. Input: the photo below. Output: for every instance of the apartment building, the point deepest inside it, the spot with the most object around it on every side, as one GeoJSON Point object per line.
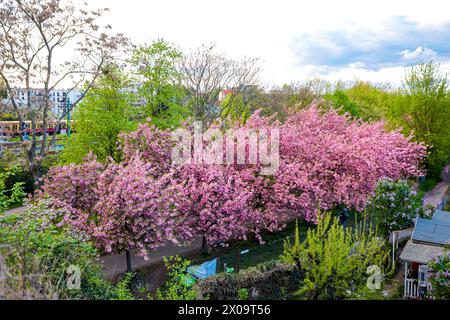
{"type": "Point", "coordinates": [59, 99]}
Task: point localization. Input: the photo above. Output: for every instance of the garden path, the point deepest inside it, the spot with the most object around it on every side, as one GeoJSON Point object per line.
{"type": "Point", "coordinates": [435, 196]}
{"type": "Point", "coordinates": [16, 210]}
{"type": "Point", "coordinates": [115, 264]}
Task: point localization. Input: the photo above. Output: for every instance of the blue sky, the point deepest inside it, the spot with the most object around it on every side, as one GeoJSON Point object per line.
{"type": "Point", "coordinates": [400, 41]}
{"type": "Point", "coordinates": [298, 40]}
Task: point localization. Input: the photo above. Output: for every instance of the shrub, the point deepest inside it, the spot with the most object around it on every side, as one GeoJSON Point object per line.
{"type": "Point", "coordinates": [334, 260]}
{"type": "Point", "coordinates": [243, 294]}
{"type": "Point", "coordinates": [440, 276]}
{"type": "Point", "coordinates": [393, 206]}
{"type": "Point", "coordinates": [123, 288]}
{"type": "Point", "coordinates": [262, 282]}
{"type": "Point", "coordinates": [13, 195]}
{"type": "Point", "coordinates": [38, 254]}
{"type": "Point", "coordinates": [176, 287]}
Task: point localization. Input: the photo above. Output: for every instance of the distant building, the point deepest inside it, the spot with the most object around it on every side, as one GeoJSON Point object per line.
{"type": "Point", "coordinates": [246, 91]}
{"type": "Point", "coordinates": [58, 99]}
{"type": "Point", "coordinates": [224, 94]}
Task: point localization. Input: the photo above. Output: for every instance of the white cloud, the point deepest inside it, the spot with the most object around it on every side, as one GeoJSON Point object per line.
{"type": "Point", "coordinates": [419, 53]}
{"type": "Point", "coordinates": [264, 28]}
{"type": "Point", "coordinates": [357, 65]}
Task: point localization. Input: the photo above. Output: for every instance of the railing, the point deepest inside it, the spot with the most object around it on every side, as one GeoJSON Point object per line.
{"type": "Point", "coordinates": [15, 147]}
{"type": "Point", "coordinates": [411, 289]}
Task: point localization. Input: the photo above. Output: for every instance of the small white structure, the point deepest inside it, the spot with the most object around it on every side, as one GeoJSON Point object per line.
{"type": "Point", "coordinates": [427, 243]}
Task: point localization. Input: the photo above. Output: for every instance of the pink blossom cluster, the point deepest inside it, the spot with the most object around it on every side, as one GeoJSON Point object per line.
{"type": "Point", "coordinates": [145, 202]}
{"type": "Point", "coordinates": [327, 160]}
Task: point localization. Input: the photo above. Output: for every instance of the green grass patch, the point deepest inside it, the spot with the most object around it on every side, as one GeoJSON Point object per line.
{"type": "Point", "coordinates": [428, 185]}
{"type": "Point", "coordinates": [258, 253]}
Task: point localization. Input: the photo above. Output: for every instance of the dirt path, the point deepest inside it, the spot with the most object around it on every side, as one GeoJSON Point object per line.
{"type": "Point", "coordinates": [391, 289]}
{"type": "Point", "coordinates": [435, 196]}
{"type": "Point", "coordinates": [16, 210]}
{"type": "Point", "coordinates": [115, 264]}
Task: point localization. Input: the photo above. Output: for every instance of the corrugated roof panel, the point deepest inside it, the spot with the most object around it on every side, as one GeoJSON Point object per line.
{"type": "Point", "coordinates": [442, 218]}
{"type": "Point", "coordinates": [443, 229]}
{"type": "Point", "coordinates": [433, 231]}
{"type": "Point", "coordinates": [425, 225]}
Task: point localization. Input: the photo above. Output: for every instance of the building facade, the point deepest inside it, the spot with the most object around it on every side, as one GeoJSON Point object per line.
{"type": "Point", "coordinates": [60, 99]}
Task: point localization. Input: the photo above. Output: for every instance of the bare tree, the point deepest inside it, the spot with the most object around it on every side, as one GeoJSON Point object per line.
{"type": "Point", "coordinates": [47, 44]}
{"type": "Point", "coordinates": [206, 72]}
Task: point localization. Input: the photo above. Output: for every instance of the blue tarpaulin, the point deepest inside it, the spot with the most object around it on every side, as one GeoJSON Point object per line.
{"type": "Point", "coordinates": [205, 270]}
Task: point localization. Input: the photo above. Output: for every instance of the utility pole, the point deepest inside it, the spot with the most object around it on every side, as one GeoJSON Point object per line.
{"type": "Point", "coordinates": [68, 116]}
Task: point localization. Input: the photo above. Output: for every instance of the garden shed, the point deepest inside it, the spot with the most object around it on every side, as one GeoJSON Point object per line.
{"type": "Point", "coordinates": [427, 243]}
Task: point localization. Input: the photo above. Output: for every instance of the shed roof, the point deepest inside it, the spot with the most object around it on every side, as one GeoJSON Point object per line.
{"type": "Point", "coordinates": [420, 253]}
{"type": "Point", "coordinates": [434, 231]}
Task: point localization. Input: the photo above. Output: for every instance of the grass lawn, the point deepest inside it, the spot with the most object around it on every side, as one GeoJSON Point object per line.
{"type": "Point", "coordinates": [257, 254]}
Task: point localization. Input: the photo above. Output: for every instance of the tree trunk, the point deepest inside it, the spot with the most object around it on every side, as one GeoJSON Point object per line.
{"type": "Point", "coordinates": [35, 171]}
{"type": "Point", "coordinates": [204, 245]}
{"type": "Point", "coordinates": [128, 256]}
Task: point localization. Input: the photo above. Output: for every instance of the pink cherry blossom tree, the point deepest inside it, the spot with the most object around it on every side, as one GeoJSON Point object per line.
{"type": "Point", "coordinates": [219, 202]}
{"type": "Point", "coordinates": [72, 189]}
{"type": "Point", "coordinates": [136, 210]}
{"type": "Point", "coordinates": [120, 206]}
{"type": "Point", "coordinates": [326, 159]}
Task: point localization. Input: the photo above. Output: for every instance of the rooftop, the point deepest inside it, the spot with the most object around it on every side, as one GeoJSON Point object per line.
{"type": "Point", "coordinates": [435, 231]}
{"type": "Point", "coordinates": [420, 253]}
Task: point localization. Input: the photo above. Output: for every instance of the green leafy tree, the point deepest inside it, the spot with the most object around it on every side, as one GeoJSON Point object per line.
{"type": "Point", "coordinates": [104, 113]}
{"type": "Point", "coordinates": [340, 100]}
{"type": "Point", "coordinates": [234, 108]}
{"type": "Point", "coordinates": [159, 83]}
{"type": "Point", "coordinates": [334, 260]}
{"type": "Point", "coordinates": [423, 110]}
{"type": "Point", "coordinates": [393, 206]}
{"type": "Point", "coordinates": [372, 101]}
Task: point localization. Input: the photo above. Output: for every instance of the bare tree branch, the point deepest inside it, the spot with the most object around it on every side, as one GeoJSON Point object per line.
{"type": "Point", "coordinates": [46, 44]}
{"type": "Point", "coordinates": [206, 73]}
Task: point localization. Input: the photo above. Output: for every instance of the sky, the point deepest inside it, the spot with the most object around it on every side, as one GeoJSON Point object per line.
{"type": "Point", "coordinates": [298, 40]}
